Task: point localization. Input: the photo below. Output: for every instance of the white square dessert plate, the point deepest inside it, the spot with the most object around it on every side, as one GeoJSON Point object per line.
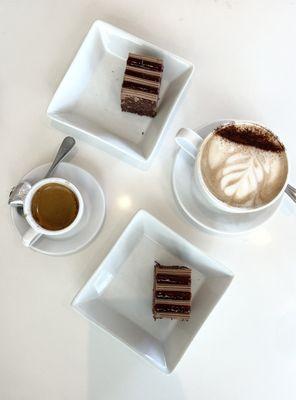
{"type": "Point", "coordinates": [118, 297]}
{"type": "Point", "coordinates": [87, 102]}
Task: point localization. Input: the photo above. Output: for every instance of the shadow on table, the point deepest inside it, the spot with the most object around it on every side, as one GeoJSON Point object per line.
{"type": "Point", "coordinates": [114, 372]}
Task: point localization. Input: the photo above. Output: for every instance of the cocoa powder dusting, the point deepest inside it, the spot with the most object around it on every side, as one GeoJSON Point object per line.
{"type": "Point", "coordinates": [255, 136]}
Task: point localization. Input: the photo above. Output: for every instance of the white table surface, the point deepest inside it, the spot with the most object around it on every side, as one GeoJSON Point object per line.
{"type": "Point", "coordinates": [245, 57]}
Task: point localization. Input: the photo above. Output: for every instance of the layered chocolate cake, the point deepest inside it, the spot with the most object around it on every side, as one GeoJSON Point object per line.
{"type": "Point", "coordinates": [171, 292]}
{"type": "Point", "coordinates": [141, 85]}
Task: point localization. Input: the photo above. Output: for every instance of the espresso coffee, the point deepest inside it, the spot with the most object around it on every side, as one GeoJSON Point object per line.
{"type": "Point", "coordinates": [244, 165]}
{"type": "Point", "coordinates": [54, 206]}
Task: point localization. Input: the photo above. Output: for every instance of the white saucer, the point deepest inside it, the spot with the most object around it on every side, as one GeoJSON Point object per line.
{"type": "Point", "coordinates": [201, 212]}
{"type": "Point", "coordinates": [92, 219]}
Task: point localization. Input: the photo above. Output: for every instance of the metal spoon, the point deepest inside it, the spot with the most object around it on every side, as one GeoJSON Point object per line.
{"type": "Point", "coordinates": [19, 192]}
{"type": "Point", "coordinates": [291, 192]}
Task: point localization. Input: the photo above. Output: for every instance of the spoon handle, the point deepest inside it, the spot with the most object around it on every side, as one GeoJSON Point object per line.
{"type": "Point", "coordinates": [291, 192]}
{"type": "Point", "coordinates": [67, 144]}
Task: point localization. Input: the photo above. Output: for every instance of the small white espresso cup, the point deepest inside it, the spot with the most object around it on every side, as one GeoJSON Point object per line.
{"type": "Point", "coordinates": [35, 230]}
{"type": "Point", "coordinates": [193, 144]}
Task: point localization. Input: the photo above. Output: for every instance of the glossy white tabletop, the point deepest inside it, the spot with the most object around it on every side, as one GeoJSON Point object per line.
{"type": "Point", "coordinates": [245, 58]}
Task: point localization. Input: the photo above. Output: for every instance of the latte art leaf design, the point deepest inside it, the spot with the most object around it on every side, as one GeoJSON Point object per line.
{"type": "Point", "coordinates": [242, 176]}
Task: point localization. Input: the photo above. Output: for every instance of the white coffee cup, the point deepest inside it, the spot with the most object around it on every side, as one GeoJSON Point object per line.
{"type": "Point", "coordinates": [193, 144]}
{"type": "Point", "coordinates": [35, 230]}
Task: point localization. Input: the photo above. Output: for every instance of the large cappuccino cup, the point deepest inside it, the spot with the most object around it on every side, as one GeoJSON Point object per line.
{"type": "Point", "coordinates": [240, 166]}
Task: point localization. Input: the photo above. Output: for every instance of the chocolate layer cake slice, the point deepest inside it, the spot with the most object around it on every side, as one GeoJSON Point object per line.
{"type": "Point", "coordinates": [141, 85]}
{"type": "Point", "coordinates": [171, 292]}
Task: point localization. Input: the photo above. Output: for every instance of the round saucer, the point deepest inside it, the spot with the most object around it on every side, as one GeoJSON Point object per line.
{"type": "Point", "coordinates": [92, 219]}
{"type": "Point", "coordinates": [196, 206]}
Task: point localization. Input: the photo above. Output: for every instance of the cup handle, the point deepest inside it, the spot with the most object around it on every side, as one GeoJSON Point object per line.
{"type": "Point", "coordinates": [189, 141]}
{"type": "Point", "coordinates": [30, 237]}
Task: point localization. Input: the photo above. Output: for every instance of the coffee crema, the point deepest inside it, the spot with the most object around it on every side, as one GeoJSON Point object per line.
{"type": "Point", "coordinates": [54, 206]}
{"type": "Point", "coordinates": [244, 165]}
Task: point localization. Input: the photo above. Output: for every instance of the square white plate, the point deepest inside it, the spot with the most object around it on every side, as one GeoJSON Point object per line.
{"type": "Point", "coordinates": [118, 297]}
{"type": "Point", "coordinates": [87, 102]}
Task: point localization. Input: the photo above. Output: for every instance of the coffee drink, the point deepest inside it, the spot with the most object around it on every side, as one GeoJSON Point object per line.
{"type": "Point", "coordinates": [54, 206]}
{"type": "Point", "coordinates": [244, 165]}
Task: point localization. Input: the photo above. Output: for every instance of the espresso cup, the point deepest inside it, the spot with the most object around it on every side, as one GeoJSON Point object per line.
{"type": "Point", "coordinates": [36, 230]}
{"type": "Point", "coordinates": [193, 144]}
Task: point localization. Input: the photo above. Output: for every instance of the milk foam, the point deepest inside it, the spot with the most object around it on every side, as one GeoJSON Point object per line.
{"type": "Point", "coordinates": [240, 175]}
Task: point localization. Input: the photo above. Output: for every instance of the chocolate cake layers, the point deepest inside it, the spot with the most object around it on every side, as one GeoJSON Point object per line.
{"type": "Point", "coordinates": [171, 292]}
{"type": "Point", "coordinates": [141, 85]}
